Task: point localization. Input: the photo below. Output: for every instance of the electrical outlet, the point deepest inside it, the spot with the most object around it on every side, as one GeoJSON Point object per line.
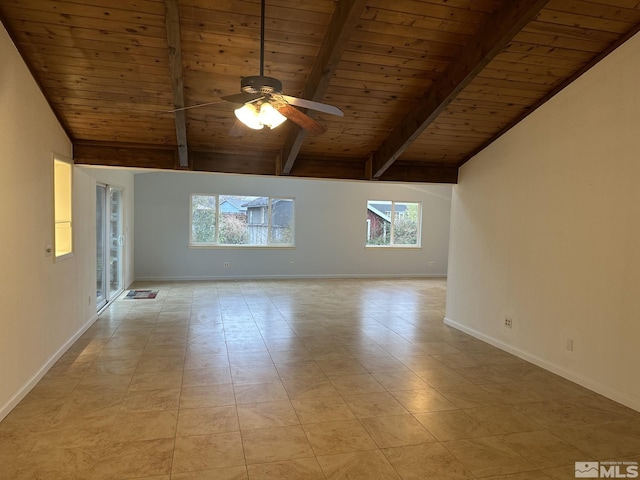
{"type": "Point", "coordinates": [508, 322]}
{"type": "Point", "coordinates": [570, 344]}
{"type": "Point", "coordinates": [225, 264]}
{"type": "Point", "coordinates": [291, 264]}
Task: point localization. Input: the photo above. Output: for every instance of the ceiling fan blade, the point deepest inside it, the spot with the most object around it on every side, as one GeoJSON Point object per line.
{"type": "Point", "coordinates": [194, 106]}
{"type": "Point", "coordinates": [237, 130]}
{"type": "Point", "coordinates": [320, 107]}
{"type": "Point", "coordinates": [301, 119]}
{"type": "Point", "coordinates": [242, 98]}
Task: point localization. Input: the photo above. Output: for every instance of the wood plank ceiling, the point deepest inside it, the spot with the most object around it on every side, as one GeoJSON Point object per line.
{"type": "Point", "coordinates": [424, 84]}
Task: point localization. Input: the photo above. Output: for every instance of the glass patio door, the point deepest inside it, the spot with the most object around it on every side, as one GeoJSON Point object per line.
{"type": "Point", "coordinates": [101, 271]}
{"type": "Point", "coordinates": [109, 243]}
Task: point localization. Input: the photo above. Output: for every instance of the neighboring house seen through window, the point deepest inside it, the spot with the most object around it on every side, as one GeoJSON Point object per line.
{"type": "Point", "coordinates": [226, 220]}
{"type": "Point", "coordinates": [393, 224]}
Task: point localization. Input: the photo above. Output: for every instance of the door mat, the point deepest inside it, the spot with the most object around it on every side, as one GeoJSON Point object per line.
{"type": "Point", "coordinates": [138, 294]}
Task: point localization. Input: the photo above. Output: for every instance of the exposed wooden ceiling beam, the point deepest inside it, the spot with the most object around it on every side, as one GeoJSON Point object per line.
{"type": "Point", "coordinates": [499, 29]}
{"type": "Point", "coordinates": [124, 155]}
{"type": "Point", "coordinates": [345, 18]}
{"type": "Point", "coordinates": [172, 21]}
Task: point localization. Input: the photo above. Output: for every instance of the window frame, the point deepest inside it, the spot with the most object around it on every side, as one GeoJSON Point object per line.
{"type": "Point", "coordinates": [265, 215]}
{"type": "Point", "coordinates": [393, 218]}
{"type": "Point", "coordinates": [57, 184]}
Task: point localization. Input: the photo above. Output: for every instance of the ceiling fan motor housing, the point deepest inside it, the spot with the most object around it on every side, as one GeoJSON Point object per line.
{"type": "Point", "coordinates": [260, 84]}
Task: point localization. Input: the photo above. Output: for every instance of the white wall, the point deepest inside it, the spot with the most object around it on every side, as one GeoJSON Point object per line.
{"type": "Point", "coordinates": [330, 224]}
{"type": "Point", "coordinates": [546, 229]}
{"type": "Point", "coordinates": [44, 306]}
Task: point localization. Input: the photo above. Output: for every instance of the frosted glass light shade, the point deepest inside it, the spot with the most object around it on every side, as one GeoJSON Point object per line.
{"type": "Point", "coordinates": [258, 117]}
{"type": "Point", "coordinates": [248, 114]}
{"type": "Point", "coordinates": [270, 117]}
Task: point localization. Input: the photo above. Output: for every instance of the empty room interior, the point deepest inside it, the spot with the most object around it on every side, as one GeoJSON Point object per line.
{"type": "Point", "coordinates": [321, 239]}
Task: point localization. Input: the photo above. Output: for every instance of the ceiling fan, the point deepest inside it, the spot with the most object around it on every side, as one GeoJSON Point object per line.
{"type": "Point", "coordinates": [264, 104]}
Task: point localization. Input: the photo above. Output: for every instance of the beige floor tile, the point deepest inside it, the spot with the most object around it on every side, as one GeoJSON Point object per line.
{"type": "Point", "coordinates": [254, 374]}
{"type": "Point", "coordinates": [275, 444]}
{"type": "Point", "coordinates": [228, 473]}
{"type": "Point", "coordinates": [424, 400]}
{"type": "Point", "coordinates": [208, 396]}
{"type": "Point", "coordinates": [488, 456]}
{"type": "Point", "coordinates": [205, 361]}
{"type": "Point", "coordinates": [205, 421]}
{"type": "Point", "coordinates": [451, 425]}
{"type": "Point", "coordinates": [513, 393]}
{"type": "Point", "coordinates": [288, 370]}
{"type": "Point", "coordinates": [400, 380]}
{"type": "Point", "coordinates": [104, 382]}
{"type": "Point", "coordinates": [469, 396]}
{"type": "Point", "coordinates": [151, 400]}
{"type": "Point", "coordinates": [396, 431]}
{"type": "Point", "coordinates": [426, 462]}
{"type": "Point", "coordinates": [603, 441]}
{"type": "Point", "coordinates": [322, 409]}
{"type": "Point", "coordinates": [543, 449]}
{"type": "Point", "coordinates": [442, 377]}
{"type": "Point", "coordinates": [204, 452]}
{"type": "Point", "coordinates": [250, 358]}
{"type": "Point", "coordinates": [70, 437]}
{"type": "Point", "coordinates": [309, 387]}
{"type": "Point", "coordinates": [380, 364]}
{"type": "Point", "coordinates": [561, 473]}
{"type": "Point", "coordinates": [206, 376]}
{"type": "Point", "coordinates": [456, 360]}
{"type": "Point", "coordinates": [358, 466]}
{"type": "Point", "coordinates": [354, 384]}
{"type": "Point", "coordinates": [338, 437]}
{"type": "Point", "coordinates": [267, 414]}
{"type": "Point", "coordinates": [502, 419]}
{"type": "Point", "coordinates": [534, 475]}
{"type": "Point", "coordinates": [374, 404]}
{"type": "Point", "coordinates": [259, 392]}
{"type": "Point", "coordinates": [301, 469]}
{"type": "Point", "coordinates": [155, 380]}
{"type": "Point", "coordinates": [130, 460]}
{"type": "Point", "coordinates": [341, 366]}
{"type": "Point", "coordinates": [485, 374]}
{"type": "Point", "coordinates": [144, 426]}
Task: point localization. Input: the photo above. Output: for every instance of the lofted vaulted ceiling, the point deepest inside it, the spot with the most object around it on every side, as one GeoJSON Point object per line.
{"type": "Point", "coordinates": [424, 84]}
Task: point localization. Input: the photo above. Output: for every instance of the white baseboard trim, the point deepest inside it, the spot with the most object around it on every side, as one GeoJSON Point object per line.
{"type": "Point", "coordinates": [26, 388]}
{"type": "Point", "coordinates": [593, 385]}
{"type": "Point", "coordinates": [286, 277]}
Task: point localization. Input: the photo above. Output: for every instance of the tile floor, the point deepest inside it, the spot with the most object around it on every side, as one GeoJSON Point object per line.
{"type": "Point", "coordinates": [315, 379]}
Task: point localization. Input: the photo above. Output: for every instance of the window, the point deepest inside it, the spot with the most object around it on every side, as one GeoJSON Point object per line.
{"type": "Point", "coordinates": [393, 224]}
{"type": "Point", "coordinates": [62, 207]}
{"type": "Point", "coordinates": [233, 220]}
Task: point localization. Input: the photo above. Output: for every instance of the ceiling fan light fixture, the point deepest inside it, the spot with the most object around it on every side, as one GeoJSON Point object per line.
{"type": "Point", "coordinates": [270, 117]}
{"type": "Point", "coordinates": [249, 115]}
{"type": "Point", "coordinates": [257, 117]}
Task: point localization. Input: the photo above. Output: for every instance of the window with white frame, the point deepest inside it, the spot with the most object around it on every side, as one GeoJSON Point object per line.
{"type": "Point", "coordinates": [235, 220]}
{"type": "Point", "coordinates": [393, 224]}
{"type": "Point", "coordinates": [62, 207]}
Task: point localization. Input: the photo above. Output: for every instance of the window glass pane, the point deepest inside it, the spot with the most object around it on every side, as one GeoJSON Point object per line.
{"type": "Point", "coordinates": [203, 219]}
{"type": "Point", "coordinates": [241, 220]}
{"type": "Point", "coordinates": [62, 205]}
{"type": "Point", "coordinates": [236, 212]}
{"type": "Point", "coordinates": [406, 226]}
{"type": "Point", "coordinates": [281, 232]}
{"type": "Point", "coordinates": [378, 222]}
